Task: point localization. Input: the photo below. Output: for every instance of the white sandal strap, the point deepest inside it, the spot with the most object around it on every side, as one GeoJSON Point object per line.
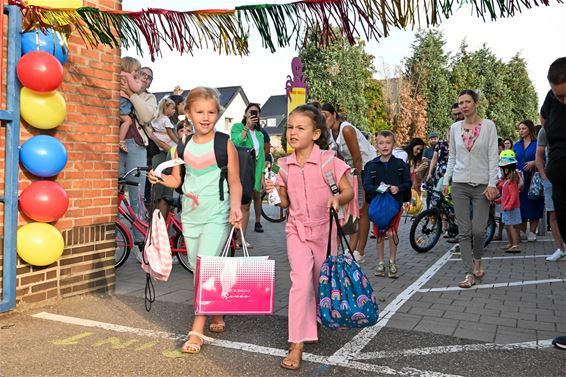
{"type": "Point", "coordinates": [204, 338]}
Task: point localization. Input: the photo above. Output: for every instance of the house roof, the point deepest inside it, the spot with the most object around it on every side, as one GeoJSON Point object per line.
{"type": "Point", "coordinates": [275, 107]}
{"type": "Point", "coordinates": [227, 95]}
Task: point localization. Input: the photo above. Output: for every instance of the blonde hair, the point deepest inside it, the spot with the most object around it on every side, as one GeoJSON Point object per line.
{"type": "Point", "coordinates": [162, 105]}
{"type": "Point", "coordinates": [129, 64]}
{"type": "Point", "coordinates": [202, 92]}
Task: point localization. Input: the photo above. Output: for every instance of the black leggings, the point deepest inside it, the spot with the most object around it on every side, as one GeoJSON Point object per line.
{"type": "Point", "coordinates": [559, 199]}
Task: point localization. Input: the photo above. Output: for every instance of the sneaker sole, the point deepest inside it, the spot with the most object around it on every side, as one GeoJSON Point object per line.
{"type": "Point", "coordinates": [559, 345]}
{"type": "Point", "coordinates": [382, 274]}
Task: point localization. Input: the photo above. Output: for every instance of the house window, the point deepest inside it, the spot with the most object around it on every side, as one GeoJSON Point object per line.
{"type": "Point", "coordinates": [271, 122]}
{"type": "Point", "coordinates": [228, 123]}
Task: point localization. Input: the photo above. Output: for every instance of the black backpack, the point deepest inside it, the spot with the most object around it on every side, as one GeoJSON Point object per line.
{"type": "Point", "coordinates": [246, 158]}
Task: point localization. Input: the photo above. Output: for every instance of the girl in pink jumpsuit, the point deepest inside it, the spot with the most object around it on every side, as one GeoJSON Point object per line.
{"type": "Point", "coordinates": [304, 190]}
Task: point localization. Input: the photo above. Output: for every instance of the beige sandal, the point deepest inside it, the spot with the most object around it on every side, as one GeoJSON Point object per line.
{"type": "Point", "coordinates": [217, 327]}
{"type": "Point", "coordinates": [189, 347]}
{"type": "Point", "coordinates": [513, 249]}
{"type": "Point", "coordinates": [294, 358]}
{"type": "Point", "coordinates": [468, 282]}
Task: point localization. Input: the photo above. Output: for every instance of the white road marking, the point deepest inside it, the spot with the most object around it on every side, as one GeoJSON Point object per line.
{"type": "Point", "coordinates": [453, 349]}
{"type": "Point", "coordinates": [381, 369]}
{"type": "Point", "coordinates": [509, 257]}
{"type": "Point", "coordinates": [361, 340]}
{"type": "Point", "coordinates": [494, 285]}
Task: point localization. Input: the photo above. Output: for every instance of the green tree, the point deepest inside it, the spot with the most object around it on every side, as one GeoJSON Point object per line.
{"type": "Point", "coordinates": [507, 95]}
{"type": "Point", "coordinates": [376, 114]}
{"type": "Point", "coordinates": [342, 75]}
{"type": "Point", "coordinates": [427, 70]}
{"type": "Point", "coordinates": [523, 94]}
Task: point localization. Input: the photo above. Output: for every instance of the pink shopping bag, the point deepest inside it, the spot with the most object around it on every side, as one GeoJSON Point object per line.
{"type": "Point", "coordinates": [237, 285]}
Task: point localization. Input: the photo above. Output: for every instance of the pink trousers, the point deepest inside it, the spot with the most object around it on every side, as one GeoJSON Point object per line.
{"type": "Point", "coordinates": [306, 250]}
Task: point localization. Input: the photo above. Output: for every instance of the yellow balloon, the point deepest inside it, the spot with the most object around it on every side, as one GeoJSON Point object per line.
{"type": "Point", "coordinates": [40, 244]}
{"type": "Point", "coordinates": [57, 3]}
{"type": "Point", "coordinates": [42, 110]}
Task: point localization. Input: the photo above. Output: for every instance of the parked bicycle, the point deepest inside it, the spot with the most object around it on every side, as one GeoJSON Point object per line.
{"type": "Point", "coordinates": [124, 239]}
{"type": "Point", "coordinates": [428, 225]}
{"type": "Point", "coordinates": [272, 213]}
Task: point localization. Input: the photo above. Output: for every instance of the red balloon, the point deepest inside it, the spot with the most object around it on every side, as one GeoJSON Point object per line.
{"type": "Point", "coordinates": [40, 71]}
{"type": "Point", "coordinates": [44, 201]}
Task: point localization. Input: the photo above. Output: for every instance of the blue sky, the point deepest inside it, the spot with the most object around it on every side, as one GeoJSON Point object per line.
{"type": "Point", "coordinates": [536, 33]}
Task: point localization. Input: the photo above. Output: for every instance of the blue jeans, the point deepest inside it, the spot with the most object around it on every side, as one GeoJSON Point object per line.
{"type": "Point", "coordinates": [136, 156]}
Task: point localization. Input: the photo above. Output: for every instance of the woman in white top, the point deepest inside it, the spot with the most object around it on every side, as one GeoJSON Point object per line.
{"type": "Point", "coordinates": [352, 146]}
{"type": "Point", "coordinates": [472, 166]}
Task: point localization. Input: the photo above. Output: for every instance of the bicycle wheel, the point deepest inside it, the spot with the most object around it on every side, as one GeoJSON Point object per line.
{"type": "Point", "coordinates": [490, 230]}
{"type": "Point", "coordinates": [271, 213]}
{"type": "Point", "coordinates": [182, 252]}
{"type": "Point", "coordinates": [122, 247]}
{"type": "Point", "coordinates": [425, 230]}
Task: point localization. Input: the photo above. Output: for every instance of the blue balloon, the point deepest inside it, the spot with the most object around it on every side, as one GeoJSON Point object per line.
{"type": "Point", "coordinates": [48, 41]}
{"type": "Point", "coordinates": [43, 156]}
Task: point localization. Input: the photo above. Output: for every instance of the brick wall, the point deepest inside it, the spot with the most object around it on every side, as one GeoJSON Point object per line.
{"type": "Point", "coordinates": [90, 135]}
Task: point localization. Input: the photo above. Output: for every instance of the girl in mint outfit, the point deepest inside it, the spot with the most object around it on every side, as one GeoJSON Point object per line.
{"type": "Point", "coordinates": [247, 134]}
{"type": "Point", "coordinates": [204, 216]}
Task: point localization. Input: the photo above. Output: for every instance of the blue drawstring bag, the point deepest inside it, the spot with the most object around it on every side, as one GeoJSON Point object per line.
{"type": "Point", "coordinates": [382, 210]}
{"type": "Point", "coordinates": [346, 298]}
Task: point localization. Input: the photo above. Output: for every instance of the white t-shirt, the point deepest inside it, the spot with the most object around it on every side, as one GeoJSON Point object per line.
{"type": "Point", "coordinates": [255, 141]}
{"type": "Point", "coordinates": [160, 126]}
{"type": "Point", "coordinates": [400, 153]}
{"type": "Point", "coordinates": [367, 150]}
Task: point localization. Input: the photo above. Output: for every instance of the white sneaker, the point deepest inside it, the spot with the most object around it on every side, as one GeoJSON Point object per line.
{"type": "Point", "coordinates": [359, 257]}
{"type": "Point", "coordinates": [557, 255]}
{"type": "Point", "coordinates": [532, 237]}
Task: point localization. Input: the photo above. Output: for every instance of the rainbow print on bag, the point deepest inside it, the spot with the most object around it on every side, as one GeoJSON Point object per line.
{"type": "Point", "coordinates": [358, 315]}
{"type": "Point", "coordinates": [336, 295]}
{"type": "Point", "coordinates": [335, 314]}
{"type": "Point", "coordinates": [344, 293]}
{"type": "Point", "coordinates": [325, 303]}
{"type": "Point", "coordinates": [356, 275]}
{"type": "Point", "coordinates": [362, 300]}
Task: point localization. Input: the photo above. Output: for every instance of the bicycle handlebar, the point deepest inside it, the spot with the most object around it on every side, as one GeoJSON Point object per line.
{"type": "Point", "coordinates": [137, 171]}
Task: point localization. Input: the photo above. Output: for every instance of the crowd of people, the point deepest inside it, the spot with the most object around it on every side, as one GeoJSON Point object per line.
{"type": "Point", "coordinates": [480, 168]}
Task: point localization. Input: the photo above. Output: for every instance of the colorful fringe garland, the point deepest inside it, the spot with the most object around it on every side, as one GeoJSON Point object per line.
{"type": "Point", "coordinates": [279, 25]}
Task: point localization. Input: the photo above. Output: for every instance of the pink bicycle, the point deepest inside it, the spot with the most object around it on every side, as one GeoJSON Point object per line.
{"type": "Point", "coordinates": [124, 239]}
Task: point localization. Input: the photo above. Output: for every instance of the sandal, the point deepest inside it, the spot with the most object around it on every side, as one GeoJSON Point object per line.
{"type": "Point", "coordinates": [122, 145]}
{"type": "Point", "coordinates": [468, 282]}
{"type": "Point", "coordinates": [294, 358]}
{"type": "Point", "coordinates": [513, 249]}
{"type": "Point", "coordinates": [217, 327]}
{"type": "Point", "coordinates": [479, 274]}
{"type": "Point", "coordinates": [506, 247]}
{"type": "Point", "coordinates": [189, 347]}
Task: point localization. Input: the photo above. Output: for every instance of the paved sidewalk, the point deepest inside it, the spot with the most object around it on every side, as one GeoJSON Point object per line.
{"type": "Point", "coordinates": [522, 297]}
{"type": "Point", "coordinates": [428, 326]}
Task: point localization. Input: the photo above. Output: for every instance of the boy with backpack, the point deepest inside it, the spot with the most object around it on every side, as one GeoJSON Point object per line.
{"type": "Point", "coordinates": [384, 175]}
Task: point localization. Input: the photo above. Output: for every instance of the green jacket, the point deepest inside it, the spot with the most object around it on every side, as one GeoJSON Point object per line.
{"type": "Point", "coordinates": [237, 139]}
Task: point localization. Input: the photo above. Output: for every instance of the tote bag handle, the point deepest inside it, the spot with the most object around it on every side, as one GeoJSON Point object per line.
{"type": "Point", "coordinates": [341, 235]}
{"type": "Point", "coordinates": [229, 242]}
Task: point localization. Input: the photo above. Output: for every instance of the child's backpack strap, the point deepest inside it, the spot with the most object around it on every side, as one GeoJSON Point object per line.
{"type": "Point", "coordinates": [221, 154]}
{"type": "Point", "coordinates": [283, 166]}
{"type": "Point", "coordinates": [181, 153]}
{"type": "Point", "coordinates": [327, 166]}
